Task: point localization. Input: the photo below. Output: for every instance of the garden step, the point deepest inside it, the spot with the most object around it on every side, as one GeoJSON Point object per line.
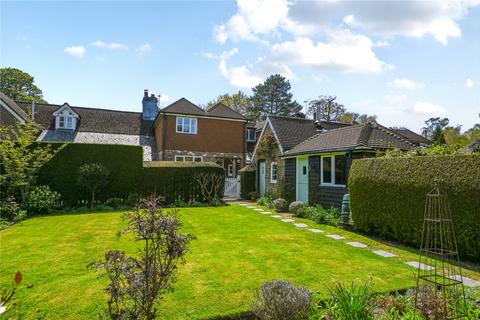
{"type": "Point", "coordinates": [316, 230]}
{"type": "Point", "coordinates": [276, 216]}
{"type": "Point", "coordinates": [265, 212]}
{"type": "Point", "coordinates": [335, 236]}
{"type": "Point", "coordinates": [419, 265]}
{"type": "Point", "coordinates": [258, 209]}
{"type": "Point", "coordinates": [357, 244]}
{"type": "Point", "coordinates": [288, 220]}
{"type": "Point", "coordinates": [385, 254]}
{"type": "Point", "coordinates": [300, 225]}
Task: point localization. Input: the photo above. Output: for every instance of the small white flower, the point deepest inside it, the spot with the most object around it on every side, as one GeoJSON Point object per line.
{"type": "Point", "coordinates": [2, 308]}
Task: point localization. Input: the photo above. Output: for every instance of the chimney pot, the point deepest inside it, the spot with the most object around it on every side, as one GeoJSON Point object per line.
{"type": "Point", "coordinates": [152, 95]}
{"type": "Point", "coordinates": [145, 93]}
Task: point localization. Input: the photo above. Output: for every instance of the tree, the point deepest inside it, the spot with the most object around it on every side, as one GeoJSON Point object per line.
{"type": "Point", "coordinates": [433, 130]}
{"type": "Point", "coordinates": [138, 284]}
{"type": "Point", "coordinates": [454, 137]}
{"type": "Point", "coordinates": [22, 157]}
{"type": "Point", "coordinates": [273, 97]}
{"type": "Point", "coordinates": [238, 101]}
{"type": "Point", "coordinates": [19, 85]}
{"type": "Point", "coordinates": [93, 176]}
{"type": "Point", "coordinates": [326, 108]}
{"type": "Point", "coordinates": [351, 117]}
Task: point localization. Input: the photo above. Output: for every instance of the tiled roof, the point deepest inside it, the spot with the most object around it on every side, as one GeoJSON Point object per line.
{"type": "Point", "coordinates": [329, 125]}
{"type": "Point", "coordinates": [222, 111]}
{"type": "Point", "coordinates": [411, 136]}
{"type": "Point", "coordinates": [356, 137]}
{"type": "Point", "coordinates": [183, 106]}
{"type": "Point", "coordinates": [14, 106]}
{"type": "Point", "coordinates": [94, 120]}
{"type": "Point", "coordinates": [291, 131]}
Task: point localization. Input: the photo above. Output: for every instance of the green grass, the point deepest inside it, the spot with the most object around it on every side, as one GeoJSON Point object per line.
{"type": "Point", "coordinates": [236, 250]}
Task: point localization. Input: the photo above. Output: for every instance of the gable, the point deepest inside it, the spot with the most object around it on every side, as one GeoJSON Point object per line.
{"type": "Point", "coordinates": [65, 109]}
{"type": "Point", "coordinates": [222, 111]}
{"type": "Point", "coordinates": [13, 109]}
{"type": "Point", "coordinates": [183, 106]}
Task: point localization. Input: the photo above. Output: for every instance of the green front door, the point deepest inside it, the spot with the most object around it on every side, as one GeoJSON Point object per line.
{"type": "Point", "coordinates": [302, 179]}
{"type": "Point", "coordinates": [261, 177]}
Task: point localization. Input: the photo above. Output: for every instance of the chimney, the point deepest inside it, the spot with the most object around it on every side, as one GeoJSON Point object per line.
{"type": "Point", "coordinates": [149, 106]}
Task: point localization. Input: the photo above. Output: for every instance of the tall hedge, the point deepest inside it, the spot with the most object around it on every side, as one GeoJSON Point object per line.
{"type": "Point", "coordinates": [247, 182]}
{"type": "Point", "coordinates": [174, 180]}
{"type": "Point", "coordinates": [387, 197]}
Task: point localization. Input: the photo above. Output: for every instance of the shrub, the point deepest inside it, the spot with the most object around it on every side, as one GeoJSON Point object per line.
{"type": "Point", "coordinates": [387, 197]}
{"type": "Point", "coordinates": [322, 216]}
{"type": "Point", "coordinates": [253, 195]}
{"type": "Point", "coordinates": [352, 303]}
{"type": "Point", "coordinates": [247, 182]}
{"type": "Point", "coordinates": [41, 199]}
{"type": "Point", "coordinates": [306, 211]}
{"type": "Point", "coordinates": [265, 201]}
{"type": "Point", "coordinates": [138, 284]}
{"type": "Point", "coordinates": [9, 208]}
{"type": "Point", "coordinates": [280, 205]}
{"type": "Point", "coordinates": [280, 299]}
{"type": "Point", "coordinates": [93, 176]}
{"type": "Point", "coordinates": [295, 206]}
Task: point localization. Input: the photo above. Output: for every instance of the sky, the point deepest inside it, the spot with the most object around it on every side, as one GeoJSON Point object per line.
{"type": "Point", "coordinates": [404, 61]}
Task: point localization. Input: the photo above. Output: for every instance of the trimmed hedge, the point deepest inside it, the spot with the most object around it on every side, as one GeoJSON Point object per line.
{"type": "Point", "coordinates": [174, 180]}
{"type": "Point", "coordinates": [387, 197]}
{"type": "Point", "coordinates": [247, 182]}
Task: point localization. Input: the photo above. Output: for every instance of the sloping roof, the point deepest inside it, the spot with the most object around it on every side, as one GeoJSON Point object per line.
{"type": "Point", "coordinates": [94, 119]}
{"type": "Point", "coordinates": [329, 125]}
{"type": "Point", "coordinates": [411, 136]}
{"type": "Point", "coordinates": [291, 131]}
{"type": "Point", "coordinates": [356, 137]}
{"type": "Point", "coordinates": [183, 106]}
{"type": "Point", "coordinates": [14, 106]}
{"type": "Point", "coordinates": [222, 111]}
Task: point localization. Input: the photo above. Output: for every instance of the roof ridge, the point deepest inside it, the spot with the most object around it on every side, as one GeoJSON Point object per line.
{"type": "Point", "coordinates": [288, 117]}
{"type": "Point", "coordinates": [389, 131]}
{"type": "Point", "coordinates": [219, 104]}
{"type": "Point", "coordinates": [177, 101]}
{"type": "Point", "coordinates": [77, 107]}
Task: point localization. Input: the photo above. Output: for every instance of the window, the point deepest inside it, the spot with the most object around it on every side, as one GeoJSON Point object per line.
{"type": "Point", "coordinates": [333, 170]}
{"type": "Point", "coordinates": [187, 125]}
{"type": "Point", "coordinates": [188, 158]}
{"type": "Point", "coordinates": [273, 172]}
{"type": "Point", "coordinates": [66, 120]}
{"type": "Point", "coordinates": [230, 170]}
{"type": "Point", "coordinates": [251, 135]}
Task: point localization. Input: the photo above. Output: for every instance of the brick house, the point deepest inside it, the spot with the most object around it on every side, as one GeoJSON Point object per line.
{"type": "Point", "coordinates": [181, 131]}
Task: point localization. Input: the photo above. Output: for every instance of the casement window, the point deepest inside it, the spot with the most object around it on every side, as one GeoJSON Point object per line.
{"type": "Point", "coordinates": [273, 172]}
{"type": "Point", "coordinates": [65, 120]}
{"type": "Point", "coordinates": [188, 158]}
{"type": "Point", "coordinates": [333, 170]}
{"type": "Point", "coordinates": [230, 172]}
{"type": "Point", "coordinates": [186, 125]}
{"type": "Point", "coordinates": [251, 135]}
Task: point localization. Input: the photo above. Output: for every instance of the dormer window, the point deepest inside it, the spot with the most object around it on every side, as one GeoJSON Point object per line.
{"type": "Point", "coordinates": [65, 118]}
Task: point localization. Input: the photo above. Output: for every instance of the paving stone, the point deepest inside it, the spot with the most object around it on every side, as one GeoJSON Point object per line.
{"type": "Point", "coordinates": [357, 244]}
{"type": "Point", "coordinates": [251, 207]}
{"type": "Point", "coordinates": [316, 230]}
{"type": "Point", "coordinates": [288, 220]}
{"type": "Point", "coordinates": [418, 265]}
{"type": "Point", "coordinates": [276, 216]}
{"type": "Point", "coordinates": [385, 254]}
{"type": "Point", "coordinates": [467, 281]}
{"type": "Point", "coordinates": [335, 236]}
{"type": "Point", "coordinates": [300, 225]}
{"type": "Point", "coordinates": [265, 212]}
{"type": "Point", "coordinates": [258, 209]}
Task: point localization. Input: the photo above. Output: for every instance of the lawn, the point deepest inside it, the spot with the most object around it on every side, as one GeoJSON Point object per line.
{"type": "Point", "coordinates": [236, 250]}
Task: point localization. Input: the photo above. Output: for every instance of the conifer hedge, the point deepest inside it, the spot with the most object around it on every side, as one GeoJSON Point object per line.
{"type": "Point", "coordinates": [129, 175]}
{"type": "Point", "coordinates": [387, 197]}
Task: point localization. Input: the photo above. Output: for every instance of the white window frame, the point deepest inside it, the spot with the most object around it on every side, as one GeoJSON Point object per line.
{"type": "Point", "coordinates": [68, 118]}
{"type": "Point", "coordinates": [181, 158]}
{"type": "Point", "coordinates": [272, 164]}
{"type": "Point", "coordinates": [230, 170]}
{"type": "Point", "coordinates": [332, 171]}
{"type": "Point", "coordinates": [182, 121]}
{"type": "Point", "coordinates": [254, 135]}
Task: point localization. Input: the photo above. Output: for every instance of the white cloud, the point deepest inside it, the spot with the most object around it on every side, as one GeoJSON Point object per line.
{"type": "Point", "coordinates": [424, 107]}
{"type": "Point", "coordinates": [76, 51]}
{"type": "Point", "coordinates": [469, 83]}
{"type": "Point", "coordinates": [240, 76]}
{"type": "Point", "coordinates": [144, 48]}
{"type": "Point", "coordinates": [223, 56]}
{"type": "Point", "coordinates": [404, 83]}
{"type": "Point", "coordinates": [110, 46]}
{"type": "Point", "coordinates": [164, 98]}
{"type": "Point", "coordinates": [394, 99]}
{"type": "Point", "coordinates": [345, 51]}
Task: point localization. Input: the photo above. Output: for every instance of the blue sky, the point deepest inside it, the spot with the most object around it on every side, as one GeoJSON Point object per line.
{"type": "Point", "coordinates": [404, 61]}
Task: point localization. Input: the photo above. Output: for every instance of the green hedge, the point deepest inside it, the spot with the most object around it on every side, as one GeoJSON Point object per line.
{"type": "Point", "coordinates": [174, 180]}
{"type": "Point", "coordinates": [247, 183]}
{"type": "Point", "coordinates": [387, 197]}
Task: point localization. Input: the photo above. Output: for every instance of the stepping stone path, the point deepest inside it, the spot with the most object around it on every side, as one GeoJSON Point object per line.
{"type": "Point", "coordinates": [258, 209]}
{"type": "Point", "coordinates": [467, 281]}
{"type": "Point", "coordinates": [288, 220]}
{"type": "Point", "coordinates": [357, 244]}
{"type": "Point", "coordinates": [251, 207]}
{"type": "Point", "coordinates": [300, 225]}
{"type": "Point", "coordinates": [265, 212]}
{"type": "Point", "coordinates": [276, 216]}
{"type": "Point", "coordinates": [384, 254]}
{"type": "Point", "coordinates": [316, 230]}
{"type": "Point", "coordinates": [420, 265]}
{"type": "Point", "coordinates": [335, 236]}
